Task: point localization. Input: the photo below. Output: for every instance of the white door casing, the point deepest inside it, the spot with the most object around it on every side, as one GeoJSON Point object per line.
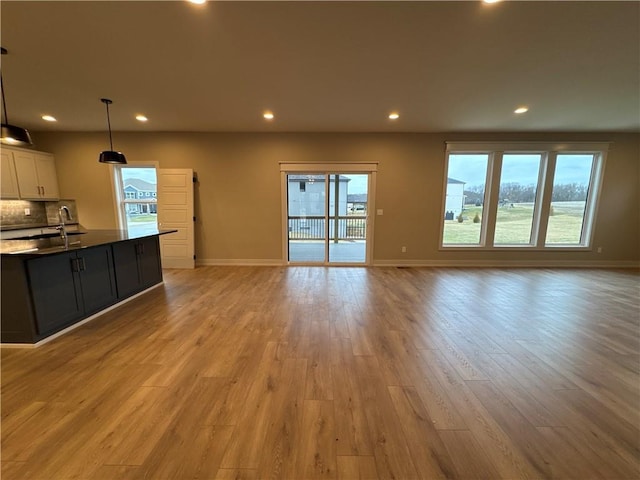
{"type": "Point", "coordinates": [175, 212]}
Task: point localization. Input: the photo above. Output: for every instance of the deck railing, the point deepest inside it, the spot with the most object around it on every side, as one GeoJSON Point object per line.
{"type": "Point", "coordinates": [352, 227]}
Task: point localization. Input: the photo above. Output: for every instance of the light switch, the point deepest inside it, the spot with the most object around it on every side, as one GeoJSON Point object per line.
{"type": "Point", "coordinates": [379, 212]}
{"type": "Point", "coordinates": [27, 211]}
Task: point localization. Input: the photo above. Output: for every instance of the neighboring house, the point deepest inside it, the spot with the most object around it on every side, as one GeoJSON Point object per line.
{"type": "Point", "coordinates": [306, 195]}
{"type": "Point", "coordinates": [357, 202]}
{"type": "Point", "coordinates": [135, 188]}
{"type": "Point", "coordinates": [455, 198]}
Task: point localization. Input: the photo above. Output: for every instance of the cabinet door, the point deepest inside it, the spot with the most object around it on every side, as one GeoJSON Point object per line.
{"type": "Point", "coordinates": [125, 259]}
{"type": "Point", "coordinates": [47, 177]}
{"type": "Point", "coordinates": [28, 185]}
{"type": "Point", "coordinates": [97, 278]}
{"type": "Point", "coordinates": [8, 177]}
{"type": "Point", "coordinates": [149, 258]}
{"type": "Point", "coordinates": [56, 292]}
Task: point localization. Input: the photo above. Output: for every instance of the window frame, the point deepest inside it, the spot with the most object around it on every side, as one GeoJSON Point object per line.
{"type": "Point", "coordinates": [119, 195]}
{"type": "Point", "coordinates": [548, 155]}
{"type": "Point", "coordinates": [537, 206]}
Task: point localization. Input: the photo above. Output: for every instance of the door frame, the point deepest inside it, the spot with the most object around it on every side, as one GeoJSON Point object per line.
{"type": "Point", "coordinates": [371, 168]}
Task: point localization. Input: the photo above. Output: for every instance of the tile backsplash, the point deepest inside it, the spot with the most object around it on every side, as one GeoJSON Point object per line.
{"type": "Point", "coordinates": [13, 213]}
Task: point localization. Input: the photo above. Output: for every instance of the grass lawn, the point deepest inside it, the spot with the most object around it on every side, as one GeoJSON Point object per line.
{"type": "Point", "coordinates": [513, 225]}
{"type": "Point", "coordinates": [142, 218]}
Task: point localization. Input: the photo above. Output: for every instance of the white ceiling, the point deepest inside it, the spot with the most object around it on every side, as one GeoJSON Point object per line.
{"type": "Point", "coordinates": [323, 66]}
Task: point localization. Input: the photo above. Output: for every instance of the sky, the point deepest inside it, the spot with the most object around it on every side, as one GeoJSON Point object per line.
{"type": "Point", "coordinates": [523, 168]}
{"type": "Point", "coordinates": [146, 174]}
{"type": "Point", "coordinates": [358, 183]}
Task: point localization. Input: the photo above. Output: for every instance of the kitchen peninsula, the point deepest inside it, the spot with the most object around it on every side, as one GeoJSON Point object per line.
{"type": "Point", "coordinates": [52, 283]}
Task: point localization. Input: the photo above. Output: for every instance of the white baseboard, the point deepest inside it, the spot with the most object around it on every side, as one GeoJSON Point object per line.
{"type": "Point", "coordinates": [80, 323]}
{"type": "Point", "coordinates": [508, 263]}
{"type": "Point", "coordinates": [444, 263]}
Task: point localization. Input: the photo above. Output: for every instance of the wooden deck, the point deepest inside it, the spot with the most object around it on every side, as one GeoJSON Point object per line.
{"type": "Point", "coordinates": [315, 372]}
{"type": "Point", "coordinates": [345, 251]}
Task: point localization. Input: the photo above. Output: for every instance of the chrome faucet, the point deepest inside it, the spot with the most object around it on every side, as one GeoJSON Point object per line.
{"type": "Point", "coordinates": [63, 232]}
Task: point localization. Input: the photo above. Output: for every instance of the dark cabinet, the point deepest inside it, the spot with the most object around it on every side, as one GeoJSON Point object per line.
{"type": "Point", "coordinates": [43, 293]}
{"type": "Point", "coordinates": [70, 286]}
{"type": "Point", "coordinates": [137, 265]}
{"type": "Point", "coordinates": [97, 279]}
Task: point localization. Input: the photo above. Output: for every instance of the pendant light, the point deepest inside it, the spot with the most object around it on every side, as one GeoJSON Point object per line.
{"type": "Point", "coordinates": [11, 134]}
{"type": "Point", "coordinates": [109, 156]}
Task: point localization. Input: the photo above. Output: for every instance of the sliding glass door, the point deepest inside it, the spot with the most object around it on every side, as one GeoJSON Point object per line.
{"type": "Point", "coordinates": [327, 217]}
{"type": "Point", "coordinates": [307, 210]}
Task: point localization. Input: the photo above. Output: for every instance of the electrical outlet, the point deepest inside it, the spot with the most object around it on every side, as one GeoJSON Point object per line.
{"type": "Point", "coordinates": [380, 211]}
{"type": "Point", "coordinates": [599, 249]}
{"type": "Point", "coordinates": [404, 249]}
{"type": "Point", "coordinates": [27, 211]}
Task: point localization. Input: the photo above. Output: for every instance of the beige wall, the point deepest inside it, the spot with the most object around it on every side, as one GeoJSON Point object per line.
{"type": "Point", "coordinates": [238, 202]}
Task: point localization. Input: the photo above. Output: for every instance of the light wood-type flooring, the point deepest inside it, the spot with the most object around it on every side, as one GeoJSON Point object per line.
{"type": "Point", "coordinates": [351, 373]}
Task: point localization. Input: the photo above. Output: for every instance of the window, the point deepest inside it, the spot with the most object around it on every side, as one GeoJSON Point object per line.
{"type": "Point", "coordinates": [135, 187]}
{"type": "Point", "coordinates": [517, 201]}
{"type": "Point", "coordinates": [495, 195]}
{"type": "Point", "coordinates": [465, 198]}
{"type": "Point", "coordinates": [569, 199]}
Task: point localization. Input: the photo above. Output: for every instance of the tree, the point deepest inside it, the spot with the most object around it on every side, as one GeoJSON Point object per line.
{"type": "Point", "coordinates": [569, 192]}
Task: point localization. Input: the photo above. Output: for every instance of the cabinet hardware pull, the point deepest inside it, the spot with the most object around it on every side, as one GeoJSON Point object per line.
{"type": "Point", "coordinates": [74, 265]}
{"type": "Point", "coordinates": [83, 266]}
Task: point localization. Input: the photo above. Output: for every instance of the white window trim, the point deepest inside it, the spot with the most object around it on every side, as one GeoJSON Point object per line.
{"type": "Point", "coordinates": [549, 152]}
{"type": "Point", "coordinates": [118, 201]}
{"type": "Point", "coordinates": [526, 147]}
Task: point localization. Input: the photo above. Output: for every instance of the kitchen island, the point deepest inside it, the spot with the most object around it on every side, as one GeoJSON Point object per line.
{"type": "Point", "coordinates": [50, 284]}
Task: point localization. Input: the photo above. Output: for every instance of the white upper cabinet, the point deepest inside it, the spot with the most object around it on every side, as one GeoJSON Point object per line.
{"type": "Point", "coordinates": [47, 176]}
{"type": "Point", "coordinates": [35, 173]}
{"type": "Point", "coordinates": [9, 188]}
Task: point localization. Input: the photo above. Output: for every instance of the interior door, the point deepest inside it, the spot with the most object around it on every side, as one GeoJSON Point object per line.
{"type": "Point", "coordinates": [175, 211]}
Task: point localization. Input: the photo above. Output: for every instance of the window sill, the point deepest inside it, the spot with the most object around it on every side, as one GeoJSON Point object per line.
{"type": "Point", "coordinates": [516, 248]}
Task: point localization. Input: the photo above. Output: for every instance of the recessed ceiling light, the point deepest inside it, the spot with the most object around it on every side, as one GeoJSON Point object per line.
{"type": "Point", "coordinates": [197, 2]}
{"type": "Point", "coordinates": [521, 110]}
{"type": "Point", "coordinates": [141, 118]}
{"type": "Point", "coordinates": [268, 115]}
{"type": "Point", "coordinates": [491, 1]}
{"type": "Point", "coordinates": [394, 116]}
{"type": "Point", "coordinates": [49, 118]}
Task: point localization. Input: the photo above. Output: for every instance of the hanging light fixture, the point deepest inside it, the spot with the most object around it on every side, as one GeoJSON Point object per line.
{"type": "Point", "coordinates": [109, 156]}
{"type": "Point", "coordinates": [11, 134]}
